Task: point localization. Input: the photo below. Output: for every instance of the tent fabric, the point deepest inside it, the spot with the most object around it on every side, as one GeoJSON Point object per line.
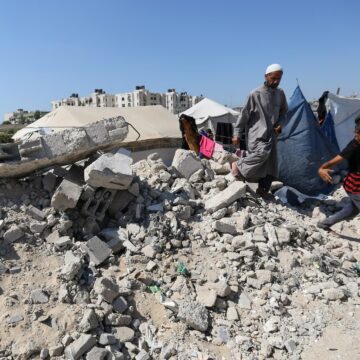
{"type": "Point", "coordinates": [208, 113]}
{"type": "Point", "coordinates": [302, 148]}
{"type": "Point", "coordinates": [343, 111]}
{"type": "Point", "coordinates": [152, 122]}
{"type": "Point", "coordinates": [328, 129]}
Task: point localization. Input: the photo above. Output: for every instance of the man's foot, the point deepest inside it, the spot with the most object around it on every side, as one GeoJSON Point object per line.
{"type": "Point", "coordinates": [267, 196]}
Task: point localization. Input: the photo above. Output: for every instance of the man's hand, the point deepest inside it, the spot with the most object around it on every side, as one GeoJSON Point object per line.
{"type": "Point", "coordinates": [325, 175]}
{"type": "Point", "coordinates": [277, 129]}
{"type": "Point", "coordinates": [235, 140]}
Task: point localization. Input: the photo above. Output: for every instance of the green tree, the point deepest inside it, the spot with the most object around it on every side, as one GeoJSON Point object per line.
{"type": "Point", "coordinates": [37, 115]}
{"type": "Point", "coordinates": [21, 119]}
{"type": "Point", "coordinates": [5, 138]}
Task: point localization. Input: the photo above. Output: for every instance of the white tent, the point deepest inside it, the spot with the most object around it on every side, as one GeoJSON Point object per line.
{"type": "Point", "coordinates": [152, 122]}
{"type": "Point", "coordinates": [343, 111]}
{"type": "Point", "coordinates": [208, 113]}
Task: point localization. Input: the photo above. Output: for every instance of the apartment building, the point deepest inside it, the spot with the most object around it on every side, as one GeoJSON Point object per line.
{"type": "Point", "coordinates": [98, 98]}
{"type": "Point", "coordinates": [21, 116]}
{"type": "Point", "coordinates": [173, 101]}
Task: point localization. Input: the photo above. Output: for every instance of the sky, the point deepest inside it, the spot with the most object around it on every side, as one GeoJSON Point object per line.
{"type": "Point", "coordinates": [220, 49]}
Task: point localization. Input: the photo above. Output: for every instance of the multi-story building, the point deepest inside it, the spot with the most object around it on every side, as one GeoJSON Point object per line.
{"type": "Point", "coordinates": [179, 102]}
{"type": "Point", "coordinates": [173, 101]}
{"type": "Point", "coordinates": [99, 98]}
{"type": "Point", "coordinates": [139, 97]}
{"type": "Point", "coordinates": [21, 116]}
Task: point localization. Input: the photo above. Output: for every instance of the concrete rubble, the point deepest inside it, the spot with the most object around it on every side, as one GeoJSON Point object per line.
{"type": "Point", "coordinates": [38, 150]}
{"type": "Point", "coordinates": [106, 259]}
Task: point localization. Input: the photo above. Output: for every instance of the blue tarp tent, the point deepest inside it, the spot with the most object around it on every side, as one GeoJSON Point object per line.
{"type": "Point", "coordinates": [302, 148]}
{"type": "Point", "coordinates": [328, 129]}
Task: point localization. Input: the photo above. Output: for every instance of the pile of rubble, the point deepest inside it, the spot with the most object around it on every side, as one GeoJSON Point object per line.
{"type": "Point", "coordinates": [105, 259]}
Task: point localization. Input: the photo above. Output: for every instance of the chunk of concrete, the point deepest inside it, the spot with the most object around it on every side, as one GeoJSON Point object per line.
{"type": "Point", "coordinates": [35, 213]}
{"type": "Point", "coordinates": [206, 296]}
{"type": "Point", "coordinates": [13, 234]}
{"type": "Point", "coordinates": [120, 305]}
{"type": "Point", "coordinates": [124, 333]}
{"type": "Point", "coordinates": [89, 321]}
{"type": "Point", "coordinates": [194, 315]}
{"type": "Point", "coordinates": [111, 171]}
{"type": "Point", "coordinates": [80, 346]}
{"type": "Point", "coordinates": [72, 266]}
{"type": "Point", "coordinates": [106, 288]}
{"type": "Point", "coordinates": [66, 195]}
{"type": "Point", "coordinates": [225, 226]}
{"type": "Point", "coordinates": [97, 353]}
{"type": "Point", "coordinates": [38, 296]}
{"type": "Point", "coordinates": [186, 163]}
{"type": "Point", "coordinates": [224, 198]}
{"type": "Point", "coordinates": [97, 250]}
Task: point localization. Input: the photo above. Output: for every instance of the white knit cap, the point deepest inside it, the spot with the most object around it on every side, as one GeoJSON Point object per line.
{"type": "Point", "coordinates": [273, 67]}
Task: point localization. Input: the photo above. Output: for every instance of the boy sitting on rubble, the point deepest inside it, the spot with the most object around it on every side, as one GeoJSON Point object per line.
{"type": "Point", "coordinates": [352, 181]}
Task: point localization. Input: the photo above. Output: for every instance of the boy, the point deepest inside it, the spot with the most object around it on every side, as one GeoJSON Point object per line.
{"type": "Point", "coordinates": [352, 181]}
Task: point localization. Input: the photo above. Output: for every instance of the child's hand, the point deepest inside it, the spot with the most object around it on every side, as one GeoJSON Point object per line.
{"type": "Point", "coordinates": [325, 175]}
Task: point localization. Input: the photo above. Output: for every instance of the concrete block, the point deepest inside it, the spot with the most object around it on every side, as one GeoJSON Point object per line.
{"type": "Point", "coordinates": [97, 353]}
{"type": "Point", "coordinates": [107, 289]}
{"type": "Point", "coordinates": [97, 202]}
{"type": "Point", "coordinates": [224, 198]}
{"type": "Point", "coordinates": [97, 250]}
{"type": "Point", "coordinates": [120, 305]}
{"type": "Point", "coordinates": [13, 234]}
{"type": "Point", "coordinates": [35, 213]}
{"type": "Point", "coordinates": [79, 347]}
{"type": "Point", "coordinates": [111, 171]}
{"type": "Point", "coordinates": [66, 196]}
{"type": "Point", "coordinates": [186, 163]}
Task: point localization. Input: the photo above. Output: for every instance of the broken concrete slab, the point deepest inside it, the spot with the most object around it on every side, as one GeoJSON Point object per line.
{"type": "Point", "coordinates": [37, 151]}
{"type": "Point", "coordinates": [97, 250]}
{"type": "Point", "coordinates": [111, 171]}
{"type": "Point", "coordinates": [224, 198]}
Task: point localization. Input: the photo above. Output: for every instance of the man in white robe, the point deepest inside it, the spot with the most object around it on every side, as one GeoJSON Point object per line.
{"type": "Point", "coordinates": [260, 119]}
